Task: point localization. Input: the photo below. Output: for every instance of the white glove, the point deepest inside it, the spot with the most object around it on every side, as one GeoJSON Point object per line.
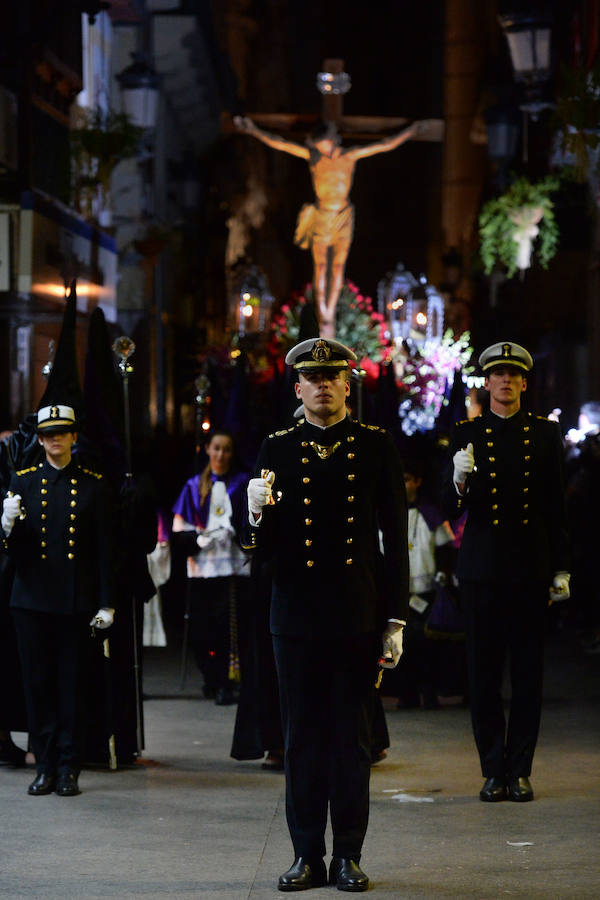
{"type": "Point", "coordinates": [11, 510]}
{"type": "Point", "coordinates": [103, 618]}
{"type": "Point", "coordinates": [559, 589]}
{"type": "Point", "coordinates": [259, 495]}
{"type": "Point", "coordinates": [464, 463]}
{"type": "Point", "coordinates": [218, 536]}
{"type": "Point", "coordinates": [392, 646]}
{"type": "Point", "coordinates": [205, 540]}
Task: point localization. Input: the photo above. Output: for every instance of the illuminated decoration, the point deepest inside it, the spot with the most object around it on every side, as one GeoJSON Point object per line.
{"type": "Point", "coordinates": [529, 37]}
{"type": "Point", "coordinates": [426, 375]}
{"type": "Point", "coordinates": [251, 301]}
{"type": "Point", "coordinates": [414, 308]}
{"type": "Point", "coordinates": [357, 324]}
{"type": "Point", "coordinates": [333, 82]}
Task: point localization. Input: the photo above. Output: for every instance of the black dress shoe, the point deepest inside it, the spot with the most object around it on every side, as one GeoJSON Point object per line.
{"type": "Point", "coordinates": [303, 875]}
{"type": "Point", "coordinates": [43, 784]}
{"type": "Point", "coordinates": [225, 697]}
{"type": "Point", "coordinates": [519, 789]}
{"type": "Point", "coordinates": [493, 790]}
{"type": "Point", "coordinates": [11, 755]}
{"type": "Point", "coordinates": [347, 874]}
{"type": "Point", "coordinates": [66, 785]}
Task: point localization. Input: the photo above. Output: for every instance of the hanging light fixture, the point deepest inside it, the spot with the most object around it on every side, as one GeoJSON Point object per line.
{"type": "Point", "coordinates": [529, 37]}
{"type": "Point", "coordinates": [140, 91]}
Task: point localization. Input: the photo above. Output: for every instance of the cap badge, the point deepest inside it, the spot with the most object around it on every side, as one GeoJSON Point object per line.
{"type": "Point", "coordinates": [54, 413]}
{"type": "Point", "coordinates": [506, 351]}
{"type": "Point", "coordinates": [321, 352]}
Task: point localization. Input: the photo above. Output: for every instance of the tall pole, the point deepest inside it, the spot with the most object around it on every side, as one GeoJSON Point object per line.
{"type": "Point", "coordinates": [124, 348]}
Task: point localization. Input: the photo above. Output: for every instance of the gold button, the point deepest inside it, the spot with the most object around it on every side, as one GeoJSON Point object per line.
{"type": "Point", "coordinates": [307, 501]}
{"type": "Point", "coordinates": [492, 458]}
{"type": "Point", "coordinates": [44, 516]}
{"type": "Point", "coordinates": [44, 491]}
{"type": "Point", "coordinates": [526, 458]}
{"type": "Point", "coordinates": [349, 540]}
{"type": "Point", "coordinates": [494, 506]}
{"type": "Point", "coordinates": [308, 521]}
{"type": "Point", "coordinates": [494, 490]}
{"type": "Point", "coordinates": [44, 544]}
{"type": "Point", "coordinates": [304, 460]}
{"type": "Point", "coordinates": [44, 556]}
{"type": "Point", "coordinates": [526, 506]}
{"type": "Point", "coordinates": [73, 481]}
{"type": "Point", "coordinates": [490, 443]}
{"type": "Point", "coordinates": [351, 476]}
{"type": "Point", "coordinates": [526, 441]}
{"type": "Point", "coordinates": [71, 543]}
{"type": "Point", "coordinates": [526, 474]}
{"type": "Point", "coordinates": [305, 480]}
{"type": "Point", "coordinates": [495, 522]}
{"type": "Point", "coordinates": [43, 529]}
{"type": "Point", "coordinates": [310, 563]}
{"type": "Point", "coordinates": [308, 543]}
{"type": "Point", "coordinates": [526, 428]}
{"type": "Point", "coordinates": [73, 517]}
{"type": "Point", "coordinates": [304, 444]}
{"type": "Point", "coordinates": [44, 503]}
{"type": "Point", "coordinates": [351, 499]}
{"type": "Point", "coordinates": [350, 438]}
{"type": "Point", "coordinates": [525, 490]}
{"type": "Point", "coordinates": [70, 556]}
{"type": "Point", "coordinates": [73, 491]}
{"type": "Point", "coordinates": [73, 502]}
{"type": "Point", "coordinates": [525, 521]}
{"type": "Point", "coordinates": [492, 474]}
{"type": "Point", "coordinates": [44, 481]}
{"type": "Point", "coordinates": [349, 562]}
{"type": "Point", "coordinates": [351, 455]}
{"type": "Point", "coordinates": [350, 520]}
{"type": "Point", "coordinates": [71, 530]}
{"type": "Point", "coordinates": [488, 430]}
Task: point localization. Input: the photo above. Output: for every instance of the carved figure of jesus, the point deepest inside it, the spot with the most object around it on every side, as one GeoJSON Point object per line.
{"type": "Point", "coordinates": [327, 225]}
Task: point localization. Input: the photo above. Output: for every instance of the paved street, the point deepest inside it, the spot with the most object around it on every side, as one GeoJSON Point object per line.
{"type": "Point", "coordinates": [188, 821]}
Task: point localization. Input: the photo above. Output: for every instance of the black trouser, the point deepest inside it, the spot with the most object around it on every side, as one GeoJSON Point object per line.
{"type": "Point", "coordinates": [505, 619]}
{"type": "Point", "coordinates": [210, 625]}
{"type": "Point", "coordinates": [327, 690]}
{"type": "Point", "coordinates": [54, 651]}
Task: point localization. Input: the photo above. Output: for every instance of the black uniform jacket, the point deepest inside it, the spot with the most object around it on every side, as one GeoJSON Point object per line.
{"type": "Point", "coordinates": [516, 527]}
{"type": "Point", "coordinates": [338, 487]}
{"type": "Point", "coordinates": [63, 548]}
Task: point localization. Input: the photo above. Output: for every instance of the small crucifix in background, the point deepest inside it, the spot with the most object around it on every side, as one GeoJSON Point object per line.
{"type": "Point", "coordinates": [326, 226]}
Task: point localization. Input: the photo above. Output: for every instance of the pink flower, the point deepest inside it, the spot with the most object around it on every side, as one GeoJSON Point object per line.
{"type": "Point", "coordinates": [283, 331]}
{"type": "Point", "coordinates": [377, 317]}
{"type": "Point", "coordinates": [360, 298]}
{"type": "Point", "coordinates": [302, 301]}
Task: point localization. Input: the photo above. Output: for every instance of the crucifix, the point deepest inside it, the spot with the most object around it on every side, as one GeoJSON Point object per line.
{"type": "Point", "coordinates": [325, 227]}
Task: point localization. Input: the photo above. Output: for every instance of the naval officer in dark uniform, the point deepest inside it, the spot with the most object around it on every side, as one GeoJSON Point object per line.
{"type": "Point", "coordinates": [57, 527]}
{"type": "Point", "coordinates": [326, 487]}
{"type": "Point", "coordinates": [507, 473]}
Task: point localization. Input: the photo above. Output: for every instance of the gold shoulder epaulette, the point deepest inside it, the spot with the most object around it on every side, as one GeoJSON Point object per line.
{"type": "Point", "coordinates": [91, 472]}
{"type": "Point", "coordinates": [24, 471]}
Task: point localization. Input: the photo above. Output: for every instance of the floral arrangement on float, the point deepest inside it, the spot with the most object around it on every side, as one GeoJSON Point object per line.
{"type": "Point", "coordinates": [426, 372]}
{"type": "Point", "coordinates": [357, 324]}
{"type": "Point", "coordinates": [509, 225]}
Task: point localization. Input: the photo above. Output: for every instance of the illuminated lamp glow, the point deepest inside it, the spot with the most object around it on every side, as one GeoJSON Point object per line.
{"type": "Point", "coordinates": [421, 319]}
{"type": "Point", "coordinates": [205, 425]}
{"type": "Point", "coordinates": [247, 310]}
{"type": "Point", "coordinates": [398, 303]}
{"type": "Point", "coordinates": [245, 296]}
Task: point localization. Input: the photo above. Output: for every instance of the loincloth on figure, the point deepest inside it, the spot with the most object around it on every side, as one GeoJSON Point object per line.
{"type": "Point", "coordinates": [324, 226]}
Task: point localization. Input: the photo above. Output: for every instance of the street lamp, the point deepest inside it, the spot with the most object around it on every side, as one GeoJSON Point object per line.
{"type": "Point", "coordinates": [529, 37]}
{"type": "Point", "coordinates": [140, 91]}
{"type": "Point", "coordinates": [251, 300]}
{"type": "Point", "coordinates": [413, 307]}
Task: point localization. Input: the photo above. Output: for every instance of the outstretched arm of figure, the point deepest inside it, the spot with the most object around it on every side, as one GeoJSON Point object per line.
{"type": "Point", "coordinates": [247, 126]}
{"type": "Point", "coordinates": [389, 143]}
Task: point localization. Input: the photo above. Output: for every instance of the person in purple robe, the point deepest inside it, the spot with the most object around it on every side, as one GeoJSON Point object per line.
{"type": "Point", "coordinates": [207, 520]}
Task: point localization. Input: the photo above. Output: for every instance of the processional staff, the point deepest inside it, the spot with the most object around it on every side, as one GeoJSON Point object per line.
{"type": "Point", "coordinates": [124, 348]}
